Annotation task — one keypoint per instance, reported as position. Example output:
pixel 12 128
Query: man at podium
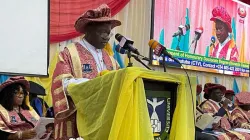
pixel 79 62
pixel 226 48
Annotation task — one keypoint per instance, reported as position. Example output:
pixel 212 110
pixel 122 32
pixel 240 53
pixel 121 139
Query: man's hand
pixel 226 102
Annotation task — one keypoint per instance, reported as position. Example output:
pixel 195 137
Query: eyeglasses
pixel 18 93
pixel 104 34
pixel 218 93
pixel 219 29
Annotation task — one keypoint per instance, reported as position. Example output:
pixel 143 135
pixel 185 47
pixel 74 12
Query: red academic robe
pixel 240 118
pixel 228 52
pixel 11 122
pixel 74 62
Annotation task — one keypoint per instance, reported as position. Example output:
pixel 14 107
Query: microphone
pixel 159 49
pixel 198 32
pixel 120 50
pixel 126 43
pixel 213 39
pixel 182 30
pixel 123 51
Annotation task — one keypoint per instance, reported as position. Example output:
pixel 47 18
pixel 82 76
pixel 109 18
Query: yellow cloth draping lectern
pixel 114 107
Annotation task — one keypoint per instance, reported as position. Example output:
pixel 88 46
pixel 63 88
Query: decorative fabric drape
pixel 3 78
pixel 63 14
pixel 113 106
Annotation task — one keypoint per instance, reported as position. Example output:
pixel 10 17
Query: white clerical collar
pixel 89 46
pixel 215 103
pixel 96 53
pixel 225 42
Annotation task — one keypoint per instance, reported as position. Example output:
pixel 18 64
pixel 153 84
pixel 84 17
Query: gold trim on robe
pixel 75 60
pixel 240 118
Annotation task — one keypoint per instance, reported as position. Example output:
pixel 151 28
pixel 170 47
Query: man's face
pixel 99 35
pixel 229 96
pixel 221 31
pixel 216 95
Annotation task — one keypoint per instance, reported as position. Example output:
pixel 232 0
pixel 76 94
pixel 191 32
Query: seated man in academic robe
pixel 240 117
pixel 198 132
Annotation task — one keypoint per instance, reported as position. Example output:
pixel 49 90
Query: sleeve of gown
pixel 234 54
pixel 4 129
pixel 63 70
pixel 207 109
pixel 68 81
pixel 239 121
pixel 221 112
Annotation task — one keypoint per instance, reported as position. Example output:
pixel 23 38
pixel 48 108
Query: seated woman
pixel 240 116
pixel 216 105
pixel 17 119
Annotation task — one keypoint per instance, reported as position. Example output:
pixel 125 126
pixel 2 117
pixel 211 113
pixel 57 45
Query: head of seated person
pixel 214 92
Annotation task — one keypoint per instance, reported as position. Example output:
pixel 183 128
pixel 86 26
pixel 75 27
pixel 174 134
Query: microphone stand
pixel 179 40
pixel 164 63
pixel 195 45
pixel 139 60
pixel 190 87
pixel 130 64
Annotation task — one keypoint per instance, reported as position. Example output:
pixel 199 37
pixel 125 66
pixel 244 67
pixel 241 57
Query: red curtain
pixel 63 14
